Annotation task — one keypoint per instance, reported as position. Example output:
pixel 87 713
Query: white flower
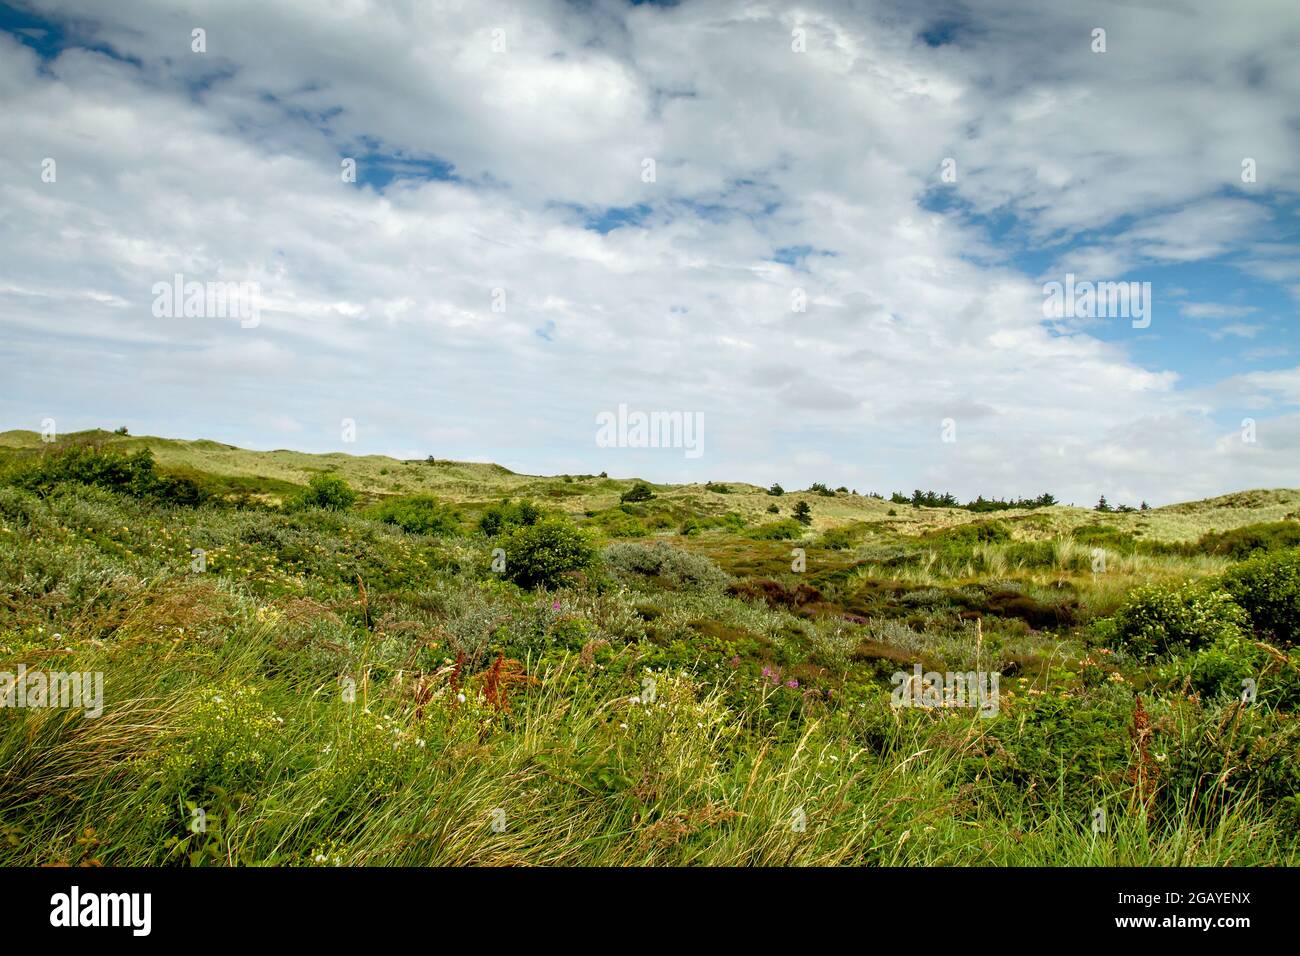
pixel 320 858
pixel 634 700
pixel 461 698
pixel 624 726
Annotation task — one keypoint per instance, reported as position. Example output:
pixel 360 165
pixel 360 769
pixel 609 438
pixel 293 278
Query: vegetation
pixel 348 673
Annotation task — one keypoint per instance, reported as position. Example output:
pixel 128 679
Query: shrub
pixel 837 539
pixel 134 475
pixel 680 569
pixel 638 492
pixel 977 532
pixel 619 524
pixel 783 530
pixel 1268 588
pixel 1223 668
pixel 1243 542
pixel 776 489
pixel 1103 535
pixel 325 491
pixel 538 554
pixel 1167 619
pixel 802 513
pixel 506 515
pixel 418 514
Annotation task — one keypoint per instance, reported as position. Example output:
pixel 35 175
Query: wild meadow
pixel 335 661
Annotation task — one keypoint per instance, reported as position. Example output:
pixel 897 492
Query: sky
pixel 823 230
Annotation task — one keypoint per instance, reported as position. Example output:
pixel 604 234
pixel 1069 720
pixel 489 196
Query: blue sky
pixel 502 269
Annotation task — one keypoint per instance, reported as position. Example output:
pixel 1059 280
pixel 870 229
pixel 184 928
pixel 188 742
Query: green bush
pixel 1222 668
pixel 837 539
pixel 325 491
pixel 538 554
pixel 418 514
pixel 134 475
pixel 638 492
pixel 619 524
pixel 1243 542
pixel 506 515
pixel 1167 619
pixel 977 532
pixel 1268 588
pixel 784 530
pixel 1104 535
pixel 680 569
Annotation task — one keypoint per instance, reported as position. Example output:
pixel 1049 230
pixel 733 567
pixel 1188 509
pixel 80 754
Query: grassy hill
pixel 418 674
pixel 275 475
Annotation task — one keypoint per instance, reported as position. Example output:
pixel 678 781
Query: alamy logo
pixel 207 300
pixel 103 909
pixel 1098 300
pixel 950 689
pixel 54 690
pixel 626 429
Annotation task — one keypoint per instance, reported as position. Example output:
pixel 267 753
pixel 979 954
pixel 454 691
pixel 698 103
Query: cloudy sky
pixel 503 268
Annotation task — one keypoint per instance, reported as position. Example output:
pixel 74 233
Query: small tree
pixel 803 513
pixel 776 489
pixel 538 554
pixel 1102 504
pixel 120 430
pixel 638 492
pixel 326 491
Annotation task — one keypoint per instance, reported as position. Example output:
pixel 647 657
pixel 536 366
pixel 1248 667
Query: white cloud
pixel 378 305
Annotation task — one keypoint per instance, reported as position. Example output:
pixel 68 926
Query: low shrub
pixel 325 491
pixel 1226 668
pixel 1241 543
pixel 502 517
pixel 539 554
pixel 638 492
pixel 418 514
pixel 1268 588
pixel 783 530
pixel 1164 619
pixel 135 475
pixel 678 568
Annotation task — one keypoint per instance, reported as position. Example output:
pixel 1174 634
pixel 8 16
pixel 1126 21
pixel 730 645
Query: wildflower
pixel 321 858
pixel 460 698
pixel 792 683
pixel 634 700
pixel 623 726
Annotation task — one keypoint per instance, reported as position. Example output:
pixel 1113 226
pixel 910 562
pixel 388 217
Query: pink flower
pixel 792 683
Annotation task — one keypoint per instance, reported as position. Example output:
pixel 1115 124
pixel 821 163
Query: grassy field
pixel 338 660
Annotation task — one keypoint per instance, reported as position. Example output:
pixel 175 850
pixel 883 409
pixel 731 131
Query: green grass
pixel 302 693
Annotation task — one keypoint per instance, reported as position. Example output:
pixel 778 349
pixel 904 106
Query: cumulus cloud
pixel 512 142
